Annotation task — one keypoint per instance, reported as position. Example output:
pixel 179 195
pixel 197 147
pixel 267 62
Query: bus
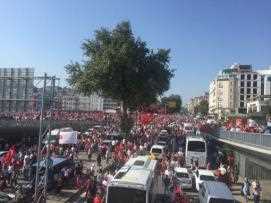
pixel 134 182
pixel 196 151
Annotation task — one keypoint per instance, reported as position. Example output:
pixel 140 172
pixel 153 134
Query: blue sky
pixel 203 35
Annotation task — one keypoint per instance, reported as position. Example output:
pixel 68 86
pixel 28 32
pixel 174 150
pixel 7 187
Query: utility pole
pixel 41 183
pixel 48 159
pixel 39 144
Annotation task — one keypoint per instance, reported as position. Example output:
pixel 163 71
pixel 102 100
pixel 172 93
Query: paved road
pixel 73 195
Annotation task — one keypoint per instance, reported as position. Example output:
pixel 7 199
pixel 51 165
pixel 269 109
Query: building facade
pixel 110 104
pixel 77 102
pixel 265 81
pixel 72 101
pixel 16 89
pixel 195 101
pixel 235 87
pixel 222 95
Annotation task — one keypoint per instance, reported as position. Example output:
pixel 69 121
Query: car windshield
pixel 218 200
pixel 196 146
pixel 207 178
pixel 182 175
pixel 124 195
pixel 163 139
pixel 156 150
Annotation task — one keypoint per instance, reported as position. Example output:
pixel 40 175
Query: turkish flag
pixel 7 159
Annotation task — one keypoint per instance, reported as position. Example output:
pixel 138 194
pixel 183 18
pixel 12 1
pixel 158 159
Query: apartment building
pixel 233 88
pixel 222 95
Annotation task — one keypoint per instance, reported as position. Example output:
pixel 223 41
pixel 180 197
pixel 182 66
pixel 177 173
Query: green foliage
pixel 120 66
pixel 202 108
pixel 173 103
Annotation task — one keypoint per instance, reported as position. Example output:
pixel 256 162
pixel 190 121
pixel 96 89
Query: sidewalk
pixel 266 191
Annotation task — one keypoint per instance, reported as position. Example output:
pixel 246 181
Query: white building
pixel 76 102
pixel 90 103
pixel 233 88
pixel 265 81
pixel 110 104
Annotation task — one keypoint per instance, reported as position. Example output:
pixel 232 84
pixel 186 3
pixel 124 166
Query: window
pixel 248 76
pixel 254 91
pixel 196 146
pixel 207 178
pixel 123 195
pixel 242 97
pixel 242 91
pixel 248 96
pixel 241 104
pixel 242 77
pixel 248 90
pixel 255 76
pixel 242 83
pixel 248 84
pixel 219 200
pixel 182 175
pixel 255 84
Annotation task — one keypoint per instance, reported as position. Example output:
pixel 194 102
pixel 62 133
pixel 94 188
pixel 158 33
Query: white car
pixel 157 151
pixel 203 175
pixel 183 178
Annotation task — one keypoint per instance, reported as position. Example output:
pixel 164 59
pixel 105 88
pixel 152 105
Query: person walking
pixel 245 190
pixel 256 191
pixel 99 159
pixel 97 198
pixel 59 184
pixel 166 181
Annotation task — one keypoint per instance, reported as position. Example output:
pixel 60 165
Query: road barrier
pixel 256 139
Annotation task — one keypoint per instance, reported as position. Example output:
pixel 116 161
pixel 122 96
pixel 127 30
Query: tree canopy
pixel 172 103
pixel 202 108
pixel 120 66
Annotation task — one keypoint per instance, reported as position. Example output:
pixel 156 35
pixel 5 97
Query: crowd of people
pixel 60 116
pixel 244 125
pixel 105 158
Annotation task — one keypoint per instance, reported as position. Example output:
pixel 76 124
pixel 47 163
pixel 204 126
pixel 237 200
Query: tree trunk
pixel 126 122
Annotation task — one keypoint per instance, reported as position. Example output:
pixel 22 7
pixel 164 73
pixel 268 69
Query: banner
pixel 68 137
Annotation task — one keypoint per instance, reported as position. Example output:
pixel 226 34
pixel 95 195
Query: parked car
pixel 215 192
pixel 183 178
pixel 203 175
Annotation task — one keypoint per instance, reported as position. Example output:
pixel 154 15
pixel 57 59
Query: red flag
pixel 9 155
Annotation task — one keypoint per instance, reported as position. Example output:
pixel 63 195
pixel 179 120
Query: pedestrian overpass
pixel 252 152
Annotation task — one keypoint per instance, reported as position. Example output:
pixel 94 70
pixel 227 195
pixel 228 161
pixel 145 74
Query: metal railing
pixel 254 139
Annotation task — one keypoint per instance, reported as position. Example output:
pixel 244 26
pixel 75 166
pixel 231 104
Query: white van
pixel 196 150
pixel 157 151
pixel 215 192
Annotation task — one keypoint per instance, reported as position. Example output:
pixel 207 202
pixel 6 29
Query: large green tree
pixel 172 103
pixel 119 65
